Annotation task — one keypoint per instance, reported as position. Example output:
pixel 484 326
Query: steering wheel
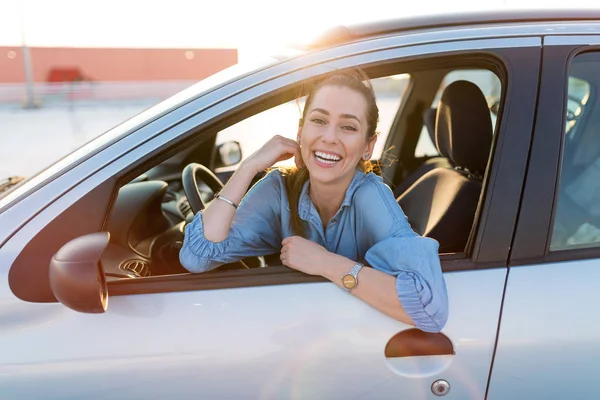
pixel 191 175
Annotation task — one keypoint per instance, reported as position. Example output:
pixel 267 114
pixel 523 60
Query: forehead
pixel 340 100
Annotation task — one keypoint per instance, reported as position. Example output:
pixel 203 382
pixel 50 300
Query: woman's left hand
pixel 304 255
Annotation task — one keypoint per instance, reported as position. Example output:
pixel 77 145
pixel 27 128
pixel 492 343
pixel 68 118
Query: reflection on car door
pixel 289 341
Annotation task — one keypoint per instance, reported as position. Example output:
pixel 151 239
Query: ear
pixel 299 134
pixel 371 146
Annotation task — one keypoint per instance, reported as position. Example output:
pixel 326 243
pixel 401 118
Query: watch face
pixel 349 281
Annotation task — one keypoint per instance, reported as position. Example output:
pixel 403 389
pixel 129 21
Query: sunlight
pixel 256 28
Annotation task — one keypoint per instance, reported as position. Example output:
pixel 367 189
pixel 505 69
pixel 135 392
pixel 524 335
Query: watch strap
pixel 354 273
pixel 356 269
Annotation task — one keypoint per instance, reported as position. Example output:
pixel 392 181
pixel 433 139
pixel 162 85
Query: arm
pixel 396 250
pixel 218 216
pixel 405 281
pixel 376 288
pixel 251 230
pixel 222 234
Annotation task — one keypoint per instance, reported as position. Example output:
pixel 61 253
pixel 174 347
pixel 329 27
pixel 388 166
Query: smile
pixel 327 158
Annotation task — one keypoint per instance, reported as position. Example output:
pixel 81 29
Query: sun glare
pixel 256 28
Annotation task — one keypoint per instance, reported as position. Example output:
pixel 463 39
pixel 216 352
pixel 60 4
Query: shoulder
pixel 376 210
pixel 373 196
pixel 372 188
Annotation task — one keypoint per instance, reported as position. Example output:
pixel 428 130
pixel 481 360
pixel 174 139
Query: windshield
pixel 210 83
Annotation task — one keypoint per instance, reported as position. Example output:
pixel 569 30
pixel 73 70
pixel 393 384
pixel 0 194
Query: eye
pixel 349 128
pixel 318 121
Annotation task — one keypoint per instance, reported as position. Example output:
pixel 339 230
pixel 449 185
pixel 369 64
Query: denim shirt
pixel 369 226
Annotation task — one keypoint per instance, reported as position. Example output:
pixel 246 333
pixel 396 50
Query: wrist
pixel 242 176
pixel 249 168
pixel 336 267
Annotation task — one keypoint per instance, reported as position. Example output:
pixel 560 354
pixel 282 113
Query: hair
pixel 294 177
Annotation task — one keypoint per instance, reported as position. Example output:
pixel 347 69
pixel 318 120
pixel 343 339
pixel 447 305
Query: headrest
pixel 464 127
pixel 429 121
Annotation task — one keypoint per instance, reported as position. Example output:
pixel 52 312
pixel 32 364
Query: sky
pixel 252 26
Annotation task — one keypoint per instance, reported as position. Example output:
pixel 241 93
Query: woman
pixel 327 214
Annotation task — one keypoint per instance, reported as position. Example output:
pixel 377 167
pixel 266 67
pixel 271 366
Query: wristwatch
pixel 350 280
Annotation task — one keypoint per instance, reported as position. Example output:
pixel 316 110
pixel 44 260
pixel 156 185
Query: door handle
pixel 415 343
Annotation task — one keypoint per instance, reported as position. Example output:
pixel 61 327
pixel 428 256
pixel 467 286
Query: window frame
pixel 283 275
pixel 124 163
pixel 540 197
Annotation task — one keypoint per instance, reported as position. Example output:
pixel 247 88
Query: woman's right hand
pixel 278 148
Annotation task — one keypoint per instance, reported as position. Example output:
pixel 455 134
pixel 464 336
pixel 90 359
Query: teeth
pixel 325 156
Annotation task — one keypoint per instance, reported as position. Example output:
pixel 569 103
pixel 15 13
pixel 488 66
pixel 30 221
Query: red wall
pixel 102 64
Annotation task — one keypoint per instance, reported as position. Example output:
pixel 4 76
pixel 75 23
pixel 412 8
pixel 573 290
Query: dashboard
pixel 146 230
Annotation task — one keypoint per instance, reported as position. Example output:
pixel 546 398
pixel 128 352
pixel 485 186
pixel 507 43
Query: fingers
pixel 294 150
pixel 287 240
pixel 283 257
pixel 285 141
pixel 285 148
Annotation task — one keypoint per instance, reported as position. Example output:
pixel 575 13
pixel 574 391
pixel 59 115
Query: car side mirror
pixel 228 153
pixel 76 276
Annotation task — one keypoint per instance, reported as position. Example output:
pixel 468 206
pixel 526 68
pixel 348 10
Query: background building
pixel 68 73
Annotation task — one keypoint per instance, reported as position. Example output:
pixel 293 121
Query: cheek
pixel 355 148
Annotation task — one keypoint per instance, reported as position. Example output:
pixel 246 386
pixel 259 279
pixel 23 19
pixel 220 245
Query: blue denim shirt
pixel 369 225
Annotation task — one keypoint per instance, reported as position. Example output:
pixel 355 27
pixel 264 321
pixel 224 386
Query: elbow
pixel 195 264
pixel 427 309
pixel 427 323
pixel 432 317
pixel 436 324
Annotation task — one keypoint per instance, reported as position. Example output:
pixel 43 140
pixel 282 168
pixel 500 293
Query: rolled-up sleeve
pixel 255 230
pixel 414 262
pixel 397 250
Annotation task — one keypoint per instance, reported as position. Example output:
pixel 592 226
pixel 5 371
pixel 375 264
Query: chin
pixel 328 175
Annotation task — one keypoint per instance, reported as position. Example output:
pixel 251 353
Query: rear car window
pixel 577 214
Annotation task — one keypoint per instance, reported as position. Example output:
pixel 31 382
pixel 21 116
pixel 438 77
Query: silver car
pixel 94 303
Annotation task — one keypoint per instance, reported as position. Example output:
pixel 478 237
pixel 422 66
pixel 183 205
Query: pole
pixel 28 78
pixel 30 103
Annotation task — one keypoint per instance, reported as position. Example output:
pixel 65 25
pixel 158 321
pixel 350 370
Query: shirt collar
pixel 306 208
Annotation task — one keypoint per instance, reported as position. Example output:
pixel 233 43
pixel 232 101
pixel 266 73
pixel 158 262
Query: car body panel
pixel 549 341
pixel 297 340
pixel 290 341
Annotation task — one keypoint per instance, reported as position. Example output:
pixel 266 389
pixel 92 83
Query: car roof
pixel 343 34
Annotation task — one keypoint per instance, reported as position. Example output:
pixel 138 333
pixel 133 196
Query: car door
pixel 270 332
pixel 549 340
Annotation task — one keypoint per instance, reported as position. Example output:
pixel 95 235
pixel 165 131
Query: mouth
pixel 327 158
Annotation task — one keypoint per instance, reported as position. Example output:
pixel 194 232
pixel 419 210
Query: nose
pixel 330 134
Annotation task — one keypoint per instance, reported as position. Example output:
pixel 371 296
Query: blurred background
pixel 70 70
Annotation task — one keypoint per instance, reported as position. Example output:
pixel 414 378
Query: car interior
pixel 577 216
pixel 439 192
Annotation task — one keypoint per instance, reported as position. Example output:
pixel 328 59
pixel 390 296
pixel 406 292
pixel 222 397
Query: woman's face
pixel 333 137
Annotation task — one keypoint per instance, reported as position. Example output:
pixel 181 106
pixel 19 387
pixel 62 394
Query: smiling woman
pixel 329 216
